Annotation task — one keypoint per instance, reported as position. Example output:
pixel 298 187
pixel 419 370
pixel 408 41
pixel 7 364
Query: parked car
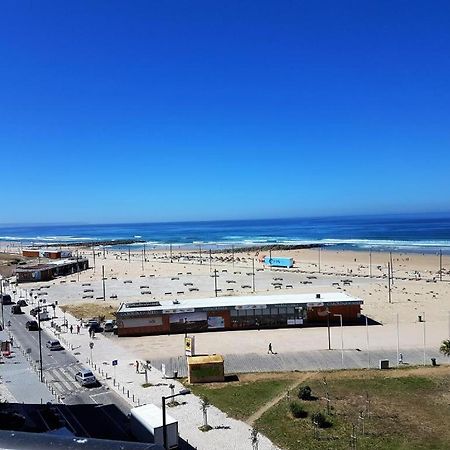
pixel 34 311
pixel 85 377
pixel 54 345
pixel 32 325
pixel 95 326
pixel 6 300
pixel 21 302
pixel 110 325
pixel 16 309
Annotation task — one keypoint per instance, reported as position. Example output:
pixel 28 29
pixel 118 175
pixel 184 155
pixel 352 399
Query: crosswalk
pixel 62 379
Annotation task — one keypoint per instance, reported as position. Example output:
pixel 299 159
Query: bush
pixel 305 393
pixel 297 410
pixel 320 420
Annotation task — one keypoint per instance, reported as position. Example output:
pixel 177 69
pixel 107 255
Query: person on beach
pixel 137 366
pixel 78 329
pixel 71 329
pixel 270 349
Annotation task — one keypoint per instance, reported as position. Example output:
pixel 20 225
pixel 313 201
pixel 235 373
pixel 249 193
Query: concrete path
pixel 21 381
pixel 309 361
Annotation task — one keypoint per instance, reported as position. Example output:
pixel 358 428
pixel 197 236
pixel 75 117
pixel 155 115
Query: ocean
pixel 419 233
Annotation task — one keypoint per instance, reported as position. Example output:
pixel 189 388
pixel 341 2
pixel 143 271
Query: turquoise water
pixel 423 233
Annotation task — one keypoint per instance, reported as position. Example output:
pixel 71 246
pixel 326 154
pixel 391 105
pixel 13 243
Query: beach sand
pixel 416 291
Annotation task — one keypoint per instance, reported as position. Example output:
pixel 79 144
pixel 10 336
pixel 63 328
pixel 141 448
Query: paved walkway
pixel 227 433
pixel 20 380
pixel 308 361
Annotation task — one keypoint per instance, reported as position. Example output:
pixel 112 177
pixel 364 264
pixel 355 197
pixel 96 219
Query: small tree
pixel 305 393
pixel 297 410
pixel 319 420
pixel 445 347
pixel 205 404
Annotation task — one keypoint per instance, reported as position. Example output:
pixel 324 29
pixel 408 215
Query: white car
pixel 54 345
pixel 85 377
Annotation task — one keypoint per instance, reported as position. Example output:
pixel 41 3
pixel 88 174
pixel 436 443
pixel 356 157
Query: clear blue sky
pixel 185 110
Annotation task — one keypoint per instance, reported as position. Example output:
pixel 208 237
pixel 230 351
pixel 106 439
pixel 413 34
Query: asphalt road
pixel 59 368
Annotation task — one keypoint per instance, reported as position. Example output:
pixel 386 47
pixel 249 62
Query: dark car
pixel 16 309
pixel 6 300
pixel 32 325
pixel 34 311
pixel 21 302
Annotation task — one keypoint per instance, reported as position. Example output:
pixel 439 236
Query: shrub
pixel 305 393
pixel 297 410
pixel 320 420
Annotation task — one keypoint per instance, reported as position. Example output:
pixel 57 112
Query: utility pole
pixel 215 282
pixel 392 268
pixel 424 341
pixel 210 260
pixel 93 255
pixel 328 326
pixel 319 258
pixel 40 344
pixel 253 275
pixel 103 282
pixel 368 344
pixel 1 298
pixel 389 281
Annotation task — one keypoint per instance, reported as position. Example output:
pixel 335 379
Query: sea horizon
pixel 418 232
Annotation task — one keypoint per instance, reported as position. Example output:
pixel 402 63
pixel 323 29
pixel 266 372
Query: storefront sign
pixel 250 306
pixel 314 304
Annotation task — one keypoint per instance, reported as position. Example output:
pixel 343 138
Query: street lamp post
pixel 328 326
pixel 182 392
pixel 40 342
pixel 342 338
pixel 424 341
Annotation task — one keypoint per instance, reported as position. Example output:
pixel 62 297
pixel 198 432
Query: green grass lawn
pixel 404 413
pixel 405 409
pixel 242 400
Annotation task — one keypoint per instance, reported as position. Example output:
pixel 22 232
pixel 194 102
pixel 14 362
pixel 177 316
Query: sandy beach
pixel 417 290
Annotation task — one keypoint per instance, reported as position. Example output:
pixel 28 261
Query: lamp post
pixel 1 298
pixel 424 341
pixel 328 326
pixel 182 392
pixel 40 342
pixel 342 338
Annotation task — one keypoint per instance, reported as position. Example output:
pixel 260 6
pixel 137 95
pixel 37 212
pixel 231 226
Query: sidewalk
pixel 19 382
pixel 226 434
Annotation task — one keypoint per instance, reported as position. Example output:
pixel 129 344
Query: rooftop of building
pixel 49 265
pixel 240 302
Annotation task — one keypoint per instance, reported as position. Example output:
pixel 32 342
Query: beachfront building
pixel 48 271
pixel 46 253
pixel 235 313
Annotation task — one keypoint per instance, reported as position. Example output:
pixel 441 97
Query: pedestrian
pixel 11 339
pixel 78 329
pixel 71 329
pixel 137 366
pixel 270 349
pixel 400 358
